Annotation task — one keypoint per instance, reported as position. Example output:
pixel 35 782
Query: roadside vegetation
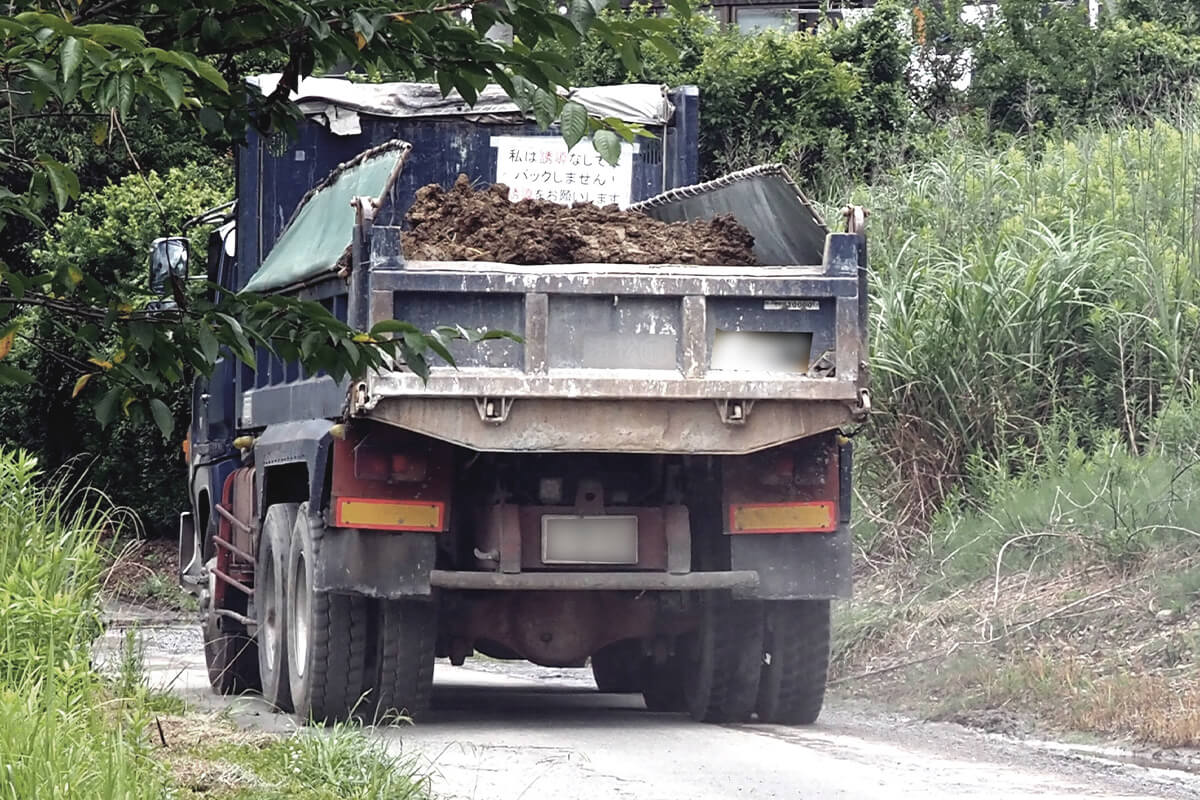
pixel 1027 487
pixel 69 732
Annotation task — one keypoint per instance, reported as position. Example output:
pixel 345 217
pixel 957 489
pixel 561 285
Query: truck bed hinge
pixel 493 409
pixel 734 412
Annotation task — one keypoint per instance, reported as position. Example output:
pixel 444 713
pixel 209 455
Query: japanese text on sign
pixel 541 167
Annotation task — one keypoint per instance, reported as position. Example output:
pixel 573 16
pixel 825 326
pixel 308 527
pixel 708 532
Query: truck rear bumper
pixel 594 581
pixel 693 427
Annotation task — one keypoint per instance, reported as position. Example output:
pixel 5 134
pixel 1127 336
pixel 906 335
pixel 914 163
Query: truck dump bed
pixel 637 358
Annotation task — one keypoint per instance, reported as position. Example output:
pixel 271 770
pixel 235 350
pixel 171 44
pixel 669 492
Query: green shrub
pixel 110 229
pixel 1109 506
pixel 1044 66
pixel 62 734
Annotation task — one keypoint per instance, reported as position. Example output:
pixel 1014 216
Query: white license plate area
pixel 568 539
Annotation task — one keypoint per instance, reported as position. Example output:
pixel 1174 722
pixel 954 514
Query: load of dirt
pixel 466 224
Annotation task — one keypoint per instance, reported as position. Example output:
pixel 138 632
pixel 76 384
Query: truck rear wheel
pixel 721 680
pixel 270 602
pixel 662 685
pixel 230 653
pixel 327 634
pixel 795 661
pixel 618 668
pixel 402 673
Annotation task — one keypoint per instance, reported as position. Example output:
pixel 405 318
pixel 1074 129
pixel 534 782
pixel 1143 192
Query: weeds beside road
pixel 70 733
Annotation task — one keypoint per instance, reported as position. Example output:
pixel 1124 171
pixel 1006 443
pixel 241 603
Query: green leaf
pixel 435 344
pixel 63 182
pixel 11 375
pixel 209 346
pixel 142 333
pixel 392 326
pixel 682 8
pixel 608 145
pixel 72 56
pixel 43 74
pixel 163 417
pixel 106 406
pixel 665 47
pixel 125 93
pixel 574 118
pixel 126 37
pixel 581 13
pixel 172 83
pixel 545 107
pixel 629 56
pixel 209 73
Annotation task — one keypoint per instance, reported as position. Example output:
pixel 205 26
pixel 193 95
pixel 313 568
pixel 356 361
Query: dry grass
pixel 190 763
pixel 1089 649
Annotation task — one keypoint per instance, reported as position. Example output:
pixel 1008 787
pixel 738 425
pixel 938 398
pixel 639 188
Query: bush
pixel 833 100
pixel 111 230
pixel 1043 66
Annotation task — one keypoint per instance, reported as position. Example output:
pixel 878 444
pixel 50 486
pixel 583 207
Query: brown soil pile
pixel 464 224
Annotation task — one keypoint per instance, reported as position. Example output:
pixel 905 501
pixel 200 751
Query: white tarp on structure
pixel 639 103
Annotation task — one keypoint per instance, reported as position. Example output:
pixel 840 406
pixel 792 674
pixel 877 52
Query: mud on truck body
pixel 653 478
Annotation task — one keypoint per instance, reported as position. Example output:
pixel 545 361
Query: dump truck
pixel 651 476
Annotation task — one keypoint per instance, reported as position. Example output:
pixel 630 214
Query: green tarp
pixel 321 230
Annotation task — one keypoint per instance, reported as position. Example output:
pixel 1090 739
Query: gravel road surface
pixel 503 731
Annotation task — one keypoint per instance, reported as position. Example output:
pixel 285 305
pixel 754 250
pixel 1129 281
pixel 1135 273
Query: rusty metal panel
pixel 244 508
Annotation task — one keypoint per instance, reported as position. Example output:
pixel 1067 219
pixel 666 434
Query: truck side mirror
pixel 168 260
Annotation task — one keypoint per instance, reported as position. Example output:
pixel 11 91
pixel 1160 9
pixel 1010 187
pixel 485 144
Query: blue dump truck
pixel 652 478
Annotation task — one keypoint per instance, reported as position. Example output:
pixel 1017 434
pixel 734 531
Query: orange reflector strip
pixel 389 515
pixel 782 518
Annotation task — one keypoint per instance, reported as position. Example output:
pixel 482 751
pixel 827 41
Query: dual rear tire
pixel 350 656
pixel 326 656
pixel 748 659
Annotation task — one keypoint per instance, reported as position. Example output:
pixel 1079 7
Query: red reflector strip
pixel 389 515
pixel 782 517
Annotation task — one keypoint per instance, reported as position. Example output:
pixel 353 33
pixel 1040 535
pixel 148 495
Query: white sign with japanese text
pixel 541 167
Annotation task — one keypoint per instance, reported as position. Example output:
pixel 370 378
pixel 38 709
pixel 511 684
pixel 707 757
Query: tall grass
pixel 62 734
pixel 51 566
pixel 1022 297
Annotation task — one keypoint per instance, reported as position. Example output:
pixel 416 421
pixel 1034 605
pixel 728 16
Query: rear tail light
pixel 371 464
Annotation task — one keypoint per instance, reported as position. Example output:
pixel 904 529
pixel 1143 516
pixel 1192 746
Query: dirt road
pixel 503 732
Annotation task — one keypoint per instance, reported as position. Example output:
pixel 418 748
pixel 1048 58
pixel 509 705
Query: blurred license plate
pixel 589 540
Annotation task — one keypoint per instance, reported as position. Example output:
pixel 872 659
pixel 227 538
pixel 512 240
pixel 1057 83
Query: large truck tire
pixel 721 680
pixel 327 635
pixel 270 603
pixel 402 673
pixel 662 684
pixel 230 654
pixel 795 661
pixel 619 667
